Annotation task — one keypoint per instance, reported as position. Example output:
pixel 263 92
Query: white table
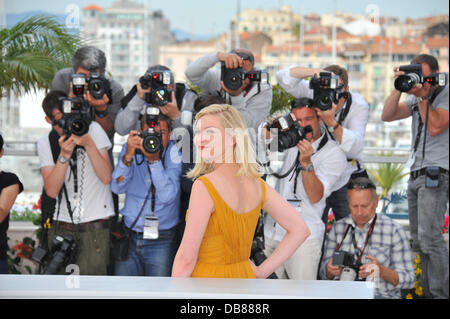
pixel 104 287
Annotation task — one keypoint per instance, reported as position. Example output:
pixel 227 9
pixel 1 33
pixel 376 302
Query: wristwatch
pixel 62 159
pixel 333 128
pixel 101 114
pixel 309 168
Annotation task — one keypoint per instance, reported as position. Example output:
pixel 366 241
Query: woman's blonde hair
pixel 243 152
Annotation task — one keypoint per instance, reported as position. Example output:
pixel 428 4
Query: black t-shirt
pixel 6 180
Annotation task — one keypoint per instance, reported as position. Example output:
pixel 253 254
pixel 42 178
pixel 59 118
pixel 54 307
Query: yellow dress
pixel 225 248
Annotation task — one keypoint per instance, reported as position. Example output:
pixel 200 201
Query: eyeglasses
pixel 360 185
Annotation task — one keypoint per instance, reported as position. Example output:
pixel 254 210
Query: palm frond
pixel 33 50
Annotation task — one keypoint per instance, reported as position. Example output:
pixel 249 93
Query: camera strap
pixel 422 124
pixel 55 149
pixel 359 252
pixel 152 190
pixel 346 110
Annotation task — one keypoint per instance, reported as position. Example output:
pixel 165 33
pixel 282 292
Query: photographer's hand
pixel 134 142
pixel 99 105
pixel 232 61
pixel 141 92
pixel 306 151
pixel 332 270
pixel 67 145
pixel 86 141
pixel 329 116
pixel 171 108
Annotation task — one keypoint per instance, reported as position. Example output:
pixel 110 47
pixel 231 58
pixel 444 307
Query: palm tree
pixel 32 51
pixel 387 175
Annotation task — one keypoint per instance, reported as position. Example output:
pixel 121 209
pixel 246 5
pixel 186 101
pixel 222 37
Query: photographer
pixel 88 60
pixel 178 98
pixel 150 178
pixel 345 122
pixel 368 246
pixel 77 172
pixel 427 103
pixel 253 99
pixel 318 163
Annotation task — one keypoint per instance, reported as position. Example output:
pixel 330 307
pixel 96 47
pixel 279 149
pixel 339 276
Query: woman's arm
pixel 7 199
pixel 201 206
pixel 296 232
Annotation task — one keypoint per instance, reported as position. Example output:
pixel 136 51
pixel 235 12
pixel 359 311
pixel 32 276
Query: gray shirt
pixel 436 147
pixel 128 118
pixel 254 106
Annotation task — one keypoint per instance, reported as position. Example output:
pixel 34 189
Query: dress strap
pixel 211 189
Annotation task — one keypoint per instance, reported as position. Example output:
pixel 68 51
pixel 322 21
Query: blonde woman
pixel 225 204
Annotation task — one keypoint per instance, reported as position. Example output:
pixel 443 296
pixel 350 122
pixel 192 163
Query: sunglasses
pixel 361 185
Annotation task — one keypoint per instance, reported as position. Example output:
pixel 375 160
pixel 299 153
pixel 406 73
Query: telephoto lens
pixel 404 83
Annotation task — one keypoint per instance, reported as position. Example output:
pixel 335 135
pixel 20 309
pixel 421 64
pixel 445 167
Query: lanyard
pixel 359 252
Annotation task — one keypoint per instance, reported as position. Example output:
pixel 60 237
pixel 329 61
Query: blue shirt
pixel 137 181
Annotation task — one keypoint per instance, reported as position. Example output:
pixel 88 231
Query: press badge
pixel 151 227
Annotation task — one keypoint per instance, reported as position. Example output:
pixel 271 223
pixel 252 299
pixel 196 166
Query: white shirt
pixel 94 199
pixel 354 125
pixel 329 163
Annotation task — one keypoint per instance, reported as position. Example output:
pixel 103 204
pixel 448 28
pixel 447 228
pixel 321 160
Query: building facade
pixel 130 35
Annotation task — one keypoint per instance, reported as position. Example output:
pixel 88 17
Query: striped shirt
pixel 388 244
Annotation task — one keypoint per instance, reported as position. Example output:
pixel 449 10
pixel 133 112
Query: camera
pixel 291 133
pixel 234 78
pixel 97 84
pixel 327 90
pixel 350 265
pixel 158 81
pixel 78 84
pixel 152 140
pixel 63 251
pixel 413 75
pixel 77 116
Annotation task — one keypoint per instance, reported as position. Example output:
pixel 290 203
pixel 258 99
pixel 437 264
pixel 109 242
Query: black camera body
pixel 349 263
pixel 77 116
pixel 63 251
pixel 97 85
pixel 158 81
pixel 413 76
pixel 152 140
pixel 327 90
pixel 290 132
pixel 234 78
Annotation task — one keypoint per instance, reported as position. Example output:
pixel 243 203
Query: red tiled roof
pixel 93 7
pixel 316 48
pixel 437 42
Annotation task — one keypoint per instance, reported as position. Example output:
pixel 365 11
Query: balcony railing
pixel 21 157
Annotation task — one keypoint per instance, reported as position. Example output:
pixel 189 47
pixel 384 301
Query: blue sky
pixel 213 16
